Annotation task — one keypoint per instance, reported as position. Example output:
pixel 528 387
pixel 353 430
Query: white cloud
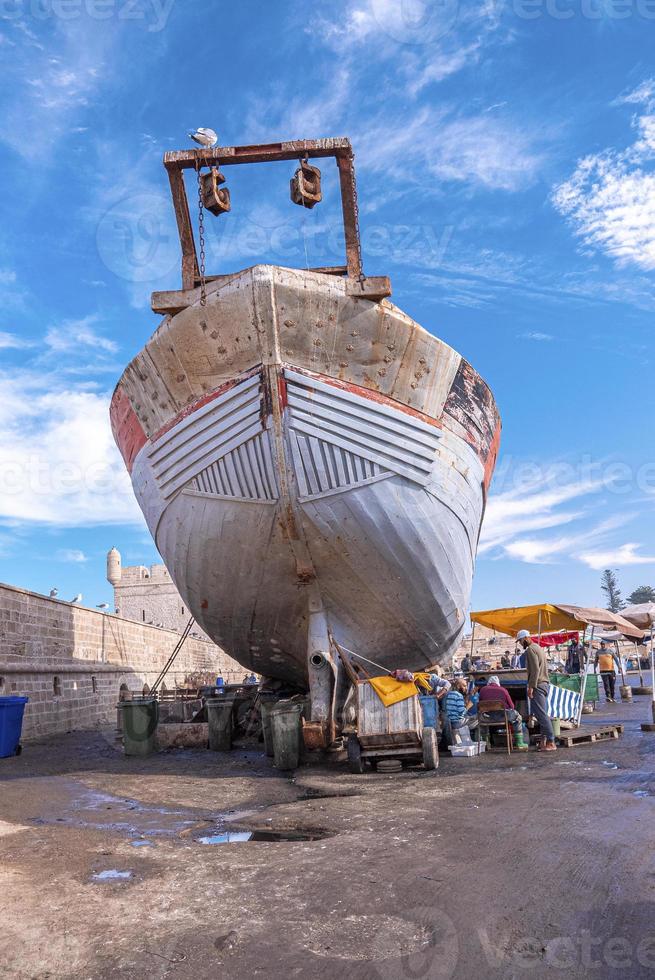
pixel 58 461
pixel 539 337
pixel 11 341
pixel 625 554
pixel 483 150
pixel 610 198
pixel 72 335
pixel 530 506
pixel 72 555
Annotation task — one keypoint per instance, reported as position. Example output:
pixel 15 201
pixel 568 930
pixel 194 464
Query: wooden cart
pixel 395 732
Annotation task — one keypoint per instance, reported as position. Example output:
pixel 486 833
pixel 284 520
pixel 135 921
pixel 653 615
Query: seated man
pixel 455 710
pixel 492 691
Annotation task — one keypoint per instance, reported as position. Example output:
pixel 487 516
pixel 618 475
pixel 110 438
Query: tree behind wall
pixel 609 584
pixel 645 593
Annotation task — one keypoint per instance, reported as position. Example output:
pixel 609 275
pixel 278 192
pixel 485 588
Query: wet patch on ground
pixel 112 874
pixel 241 835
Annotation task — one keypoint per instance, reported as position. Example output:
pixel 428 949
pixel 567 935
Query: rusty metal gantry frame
pixel 179 160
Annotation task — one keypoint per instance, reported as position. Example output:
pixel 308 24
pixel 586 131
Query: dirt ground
pixel 491 867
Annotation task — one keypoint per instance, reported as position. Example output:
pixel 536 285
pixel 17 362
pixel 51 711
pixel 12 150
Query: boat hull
pixel 295 451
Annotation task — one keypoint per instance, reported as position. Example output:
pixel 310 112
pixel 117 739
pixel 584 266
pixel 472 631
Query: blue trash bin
pixel 11 725
pixel 430 708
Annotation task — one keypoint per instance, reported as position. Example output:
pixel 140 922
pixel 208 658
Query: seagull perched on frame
pixel 204 137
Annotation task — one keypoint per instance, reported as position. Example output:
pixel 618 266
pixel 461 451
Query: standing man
pixel 466 664
pixel 605 660
pixel 506 660
pixel 538 684
pixel 573 659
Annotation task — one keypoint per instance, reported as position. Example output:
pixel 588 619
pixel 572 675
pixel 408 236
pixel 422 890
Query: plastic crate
pixel 467 751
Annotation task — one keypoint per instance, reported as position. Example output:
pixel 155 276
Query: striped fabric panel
pixel 562 703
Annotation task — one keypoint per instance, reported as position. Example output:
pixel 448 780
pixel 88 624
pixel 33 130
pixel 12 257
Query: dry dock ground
pixel 493 867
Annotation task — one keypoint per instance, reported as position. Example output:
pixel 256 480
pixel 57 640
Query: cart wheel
pixel 430 749
pixel 355 761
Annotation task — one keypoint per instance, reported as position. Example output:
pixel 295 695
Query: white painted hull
pixel 289 444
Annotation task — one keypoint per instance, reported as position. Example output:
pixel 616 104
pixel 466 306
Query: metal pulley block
pixel 214 197
pixel 306 186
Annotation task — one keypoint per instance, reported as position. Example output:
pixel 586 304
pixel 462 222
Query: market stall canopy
pixel 641 615
pixel 549 618
pixel 604 619
pixel 533 618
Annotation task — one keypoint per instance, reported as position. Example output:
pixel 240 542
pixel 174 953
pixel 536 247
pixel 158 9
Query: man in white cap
pixel 538 684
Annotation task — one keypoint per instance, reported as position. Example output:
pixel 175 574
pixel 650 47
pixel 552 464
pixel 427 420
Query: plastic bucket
pixel 287 733
pixel 11 725
pixel 219 716
pixel 139 720
pixel 430 708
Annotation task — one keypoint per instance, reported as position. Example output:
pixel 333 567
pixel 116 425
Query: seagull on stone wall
pixel 78 598
pixel 204 137
pixel 103 605
pixel 54 593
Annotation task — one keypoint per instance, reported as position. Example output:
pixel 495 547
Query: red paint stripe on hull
pixel 128 431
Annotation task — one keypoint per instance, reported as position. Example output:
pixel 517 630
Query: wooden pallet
pixel 587 735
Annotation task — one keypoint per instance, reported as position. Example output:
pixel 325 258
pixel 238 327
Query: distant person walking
pixel 575 658
pixel 538 685
pixel 605 661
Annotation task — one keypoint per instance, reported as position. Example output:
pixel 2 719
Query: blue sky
pixel 505 155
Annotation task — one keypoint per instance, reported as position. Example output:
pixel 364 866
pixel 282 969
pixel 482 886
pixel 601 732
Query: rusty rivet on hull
pixel 350 347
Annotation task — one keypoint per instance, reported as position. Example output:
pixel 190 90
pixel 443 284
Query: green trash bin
pixel 219 716
pixel 266 705
pixel 139 720
pixel 287 733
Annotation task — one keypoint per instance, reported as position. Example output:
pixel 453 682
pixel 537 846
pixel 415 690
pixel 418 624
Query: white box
pixel 467 751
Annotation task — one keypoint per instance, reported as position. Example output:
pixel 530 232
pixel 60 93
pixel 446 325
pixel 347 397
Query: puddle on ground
pixel 640 783
pixel 264 836
pixel 94 810
pixel 112 875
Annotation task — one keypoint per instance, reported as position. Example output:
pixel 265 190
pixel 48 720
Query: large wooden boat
pixel 310 461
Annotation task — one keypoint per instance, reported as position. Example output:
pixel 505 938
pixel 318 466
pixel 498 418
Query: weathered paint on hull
pixel 288 438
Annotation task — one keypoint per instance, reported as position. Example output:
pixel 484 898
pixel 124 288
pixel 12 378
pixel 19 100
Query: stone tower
pixel 114 570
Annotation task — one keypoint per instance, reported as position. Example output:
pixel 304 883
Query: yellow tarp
pixel 516 618
pixel 390 691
